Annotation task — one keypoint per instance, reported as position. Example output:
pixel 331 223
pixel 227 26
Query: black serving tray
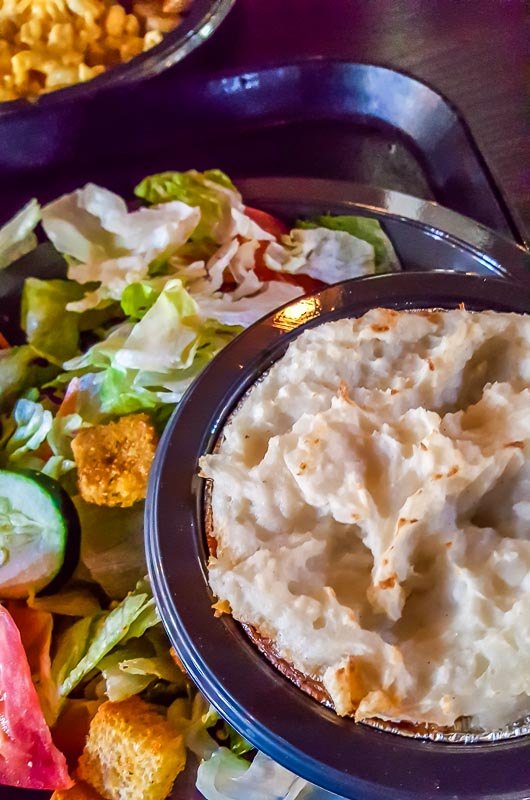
pixel 317 118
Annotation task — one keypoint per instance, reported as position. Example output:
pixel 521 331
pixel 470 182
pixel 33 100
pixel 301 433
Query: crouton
pixel 79 791
pixel 113 460
pixel 132 752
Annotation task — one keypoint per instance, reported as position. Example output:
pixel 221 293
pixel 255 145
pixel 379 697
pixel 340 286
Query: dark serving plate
pixel 351 759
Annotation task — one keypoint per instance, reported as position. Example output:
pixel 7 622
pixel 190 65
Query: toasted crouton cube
pixel 79 791
pixel 113 460
pixel 132 752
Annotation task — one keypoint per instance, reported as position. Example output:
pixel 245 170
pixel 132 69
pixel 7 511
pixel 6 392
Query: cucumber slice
pixel 39 534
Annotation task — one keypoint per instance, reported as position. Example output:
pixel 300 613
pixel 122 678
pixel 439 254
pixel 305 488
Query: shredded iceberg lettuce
pixel 166 338
pixel 112 546
pixel 53 331
pixel 71 602
pixel 247 310
pixel 17 236
pixel 134 666
pixel 34 439
pixel 221 206
pixel 224 776
pixel 365 228
pixel 110 246
pixel 32 424
pixel 211 191
pixel 217 778
pixel 152 361
pixel 88 641
pixel 21 368
pixel 329 256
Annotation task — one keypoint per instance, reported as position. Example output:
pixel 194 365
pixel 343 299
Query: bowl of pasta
pixel 77 48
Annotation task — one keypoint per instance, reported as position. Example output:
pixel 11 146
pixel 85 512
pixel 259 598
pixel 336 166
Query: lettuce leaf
pixel 161 667
pixel 92 225
pixel 327 255
pixel 369 230
pixel 187 717
pixel 53 331
pixel 152 362
pixel 137 298
pixel 30 426
pixel 110 246
pixel 17 236
pixel 71 647
pixel 131 668
pixel 122 393
pixel 247 310
pixel 147 619
pixel 70 602
pixel 21 368
pixel 218 777
pixel 166 337
pixel 95 640
pixel 226 777
pixel 119 684
pixel 63 429
pixel 112 548
pixel 211 191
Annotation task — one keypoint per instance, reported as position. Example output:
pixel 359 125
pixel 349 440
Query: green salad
pixel 150 295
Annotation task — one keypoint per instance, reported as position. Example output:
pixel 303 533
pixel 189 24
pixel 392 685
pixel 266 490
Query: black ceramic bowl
pixel 202 19
pixel 354 760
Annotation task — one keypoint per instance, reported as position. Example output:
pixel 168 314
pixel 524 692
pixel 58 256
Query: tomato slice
pixel 267 221
pixel 277 228
pixel 309 285
pixel 28 757
pixel 35 629
pixel 4 344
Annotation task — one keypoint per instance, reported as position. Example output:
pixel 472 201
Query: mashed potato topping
pixel 371 505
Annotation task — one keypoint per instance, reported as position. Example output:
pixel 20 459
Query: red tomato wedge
pixel 277 228
pixel 35 629
pixel 4 344
pixel 267 221
pixel 28 757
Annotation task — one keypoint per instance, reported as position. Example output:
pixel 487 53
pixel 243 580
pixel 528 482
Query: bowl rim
pixel 198 24
pixel 350 759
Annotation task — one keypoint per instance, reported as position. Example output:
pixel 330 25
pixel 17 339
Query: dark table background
pixel 475 52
